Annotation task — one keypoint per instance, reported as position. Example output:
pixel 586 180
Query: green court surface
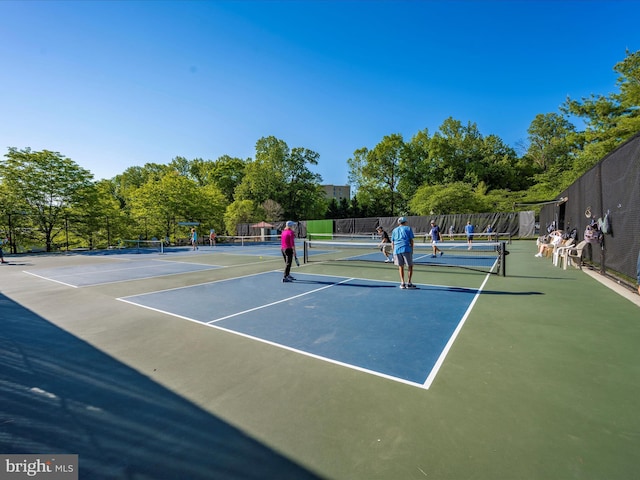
pixel 542 381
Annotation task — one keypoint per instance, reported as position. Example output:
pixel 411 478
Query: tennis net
pixel 142 246
pixel 482 256
pixel 248 240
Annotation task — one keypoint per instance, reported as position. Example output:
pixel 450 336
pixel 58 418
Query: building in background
pixel 337 191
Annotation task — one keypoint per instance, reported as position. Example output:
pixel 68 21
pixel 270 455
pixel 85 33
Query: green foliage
pixel 158 205
pixel 612 119
pixel 46 186
pixel 457 197
pixel 241 211
pixel 377 174
pixel 414 164
pixel 283 175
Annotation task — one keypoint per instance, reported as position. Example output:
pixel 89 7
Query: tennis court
pixel 202 364
pixel 347 321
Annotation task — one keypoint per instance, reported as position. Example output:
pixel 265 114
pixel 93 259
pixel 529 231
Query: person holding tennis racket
pixel 435 238
pixel 288 249
pixel 385 244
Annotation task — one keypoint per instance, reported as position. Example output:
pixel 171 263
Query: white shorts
pixel 386 248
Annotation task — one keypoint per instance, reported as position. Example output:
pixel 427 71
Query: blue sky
pixel 114 84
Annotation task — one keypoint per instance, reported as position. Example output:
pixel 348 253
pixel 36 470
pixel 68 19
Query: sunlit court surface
pixel 204 361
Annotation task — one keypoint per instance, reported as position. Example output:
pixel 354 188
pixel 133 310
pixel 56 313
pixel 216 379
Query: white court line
pixel 50 279
pixel 212 267
pixel 279 301
pixel 445 351
pixel 313 355
pixel 134 266
pixel 199 284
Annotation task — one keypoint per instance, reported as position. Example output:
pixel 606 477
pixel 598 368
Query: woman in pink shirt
pixel 288 248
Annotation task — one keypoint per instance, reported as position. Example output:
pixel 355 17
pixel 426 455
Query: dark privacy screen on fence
pixel 610 189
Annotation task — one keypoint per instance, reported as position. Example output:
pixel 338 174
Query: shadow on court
pixel 465 290
pixel 61 395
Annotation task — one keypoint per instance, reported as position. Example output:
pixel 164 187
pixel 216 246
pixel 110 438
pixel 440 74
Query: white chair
pixel 560 250
pixel 574 255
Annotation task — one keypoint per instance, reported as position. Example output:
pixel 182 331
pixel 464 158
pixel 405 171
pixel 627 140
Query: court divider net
pixel 248 240
pixel 143 245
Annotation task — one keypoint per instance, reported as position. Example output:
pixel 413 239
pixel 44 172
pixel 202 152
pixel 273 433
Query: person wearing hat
pixel 288 249
pixel 385 244
pixel 468 229
pixel 435 238
pixel 402 244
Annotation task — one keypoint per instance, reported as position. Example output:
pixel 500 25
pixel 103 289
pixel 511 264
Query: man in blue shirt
pixel 402 242
pixel 468 229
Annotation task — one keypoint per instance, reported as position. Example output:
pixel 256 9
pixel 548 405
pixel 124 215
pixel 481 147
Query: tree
pixel 157 205
pixel 454 153
pixel 612 119
pixel 241 211
pixel 413 165
pixel 457 197
pixel 272 211
pixel 226 173
pixel 100 221
pixel 283 175
pixel 376 172
pixel 499 167
pixel 46 186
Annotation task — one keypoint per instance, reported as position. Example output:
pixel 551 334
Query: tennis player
pixel 435 238
pixel 468 229
pixel 194 239
pixel 385 244
pixel 402 242
pixel 288 249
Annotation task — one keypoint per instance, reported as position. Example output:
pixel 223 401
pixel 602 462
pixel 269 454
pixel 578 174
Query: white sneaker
pixel 538 255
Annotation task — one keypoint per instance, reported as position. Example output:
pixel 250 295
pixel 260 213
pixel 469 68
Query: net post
pixel 305 251
pixel 503 259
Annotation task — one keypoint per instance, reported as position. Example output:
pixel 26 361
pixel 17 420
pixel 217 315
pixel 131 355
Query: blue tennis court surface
pixel 109 272
pixel 364 324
